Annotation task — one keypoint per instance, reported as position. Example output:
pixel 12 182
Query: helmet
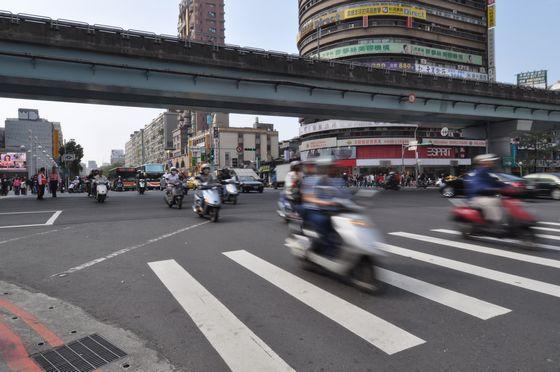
pixel 295 165
pixel 173 169
pixel 479 159
pixel 204 166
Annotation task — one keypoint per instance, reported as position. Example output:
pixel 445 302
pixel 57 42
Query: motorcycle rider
pixel 98 177
pixel 318 192
pixel 292 185
pixel 482 188
pixel 171 179
pixel 205 177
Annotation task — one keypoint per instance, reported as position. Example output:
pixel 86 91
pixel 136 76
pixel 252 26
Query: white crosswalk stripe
pixel 482 249
pixel 378 332
pixel 514 280
pixel 492 239
pixel 239 347
pixel 546 229
pixel 467 304
pixel 550 223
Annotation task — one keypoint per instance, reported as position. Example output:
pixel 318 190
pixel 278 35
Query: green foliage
pixel 538 146
pixel 73 168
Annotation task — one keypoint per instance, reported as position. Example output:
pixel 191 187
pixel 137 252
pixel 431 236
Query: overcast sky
pixel 527 39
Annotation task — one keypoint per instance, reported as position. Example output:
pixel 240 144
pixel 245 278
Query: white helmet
pixel 486 158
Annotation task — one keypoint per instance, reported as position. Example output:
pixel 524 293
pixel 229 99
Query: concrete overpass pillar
pixel 499 134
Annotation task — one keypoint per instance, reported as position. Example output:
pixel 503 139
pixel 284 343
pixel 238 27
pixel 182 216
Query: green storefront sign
pixel 374 47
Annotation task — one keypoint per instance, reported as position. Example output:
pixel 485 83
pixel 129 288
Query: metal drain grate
pixel 83 355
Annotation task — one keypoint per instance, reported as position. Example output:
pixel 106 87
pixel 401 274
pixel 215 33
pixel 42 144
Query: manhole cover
pixel 83 355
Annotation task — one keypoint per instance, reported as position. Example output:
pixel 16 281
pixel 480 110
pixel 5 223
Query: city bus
pixel 128 176
pixel 154 173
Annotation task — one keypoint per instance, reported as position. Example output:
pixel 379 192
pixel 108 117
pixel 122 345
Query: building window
pixel 212 14
pixel 212 30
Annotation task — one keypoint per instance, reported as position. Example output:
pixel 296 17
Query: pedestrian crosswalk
pixel 234 341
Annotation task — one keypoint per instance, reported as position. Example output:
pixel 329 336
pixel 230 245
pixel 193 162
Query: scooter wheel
pixel 180 205
pixel 234 200
pixel 363 277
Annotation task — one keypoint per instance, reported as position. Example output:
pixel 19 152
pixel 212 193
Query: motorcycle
pixel 357 250
pixel 518 223
pixel 174 195
pixel 392 184
pixel 74 187
pixel 207 202
pixel 229 191
pixel 119 186
pixel 101 190
pixel 141 186
pixel 285 209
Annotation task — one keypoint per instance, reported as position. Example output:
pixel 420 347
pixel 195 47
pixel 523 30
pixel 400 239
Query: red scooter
pixel 518 223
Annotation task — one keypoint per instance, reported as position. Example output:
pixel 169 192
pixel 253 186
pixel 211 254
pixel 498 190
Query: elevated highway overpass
pixel 60 60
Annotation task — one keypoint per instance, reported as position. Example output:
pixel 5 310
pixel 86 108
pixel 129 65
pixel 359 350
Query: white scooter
pixel 101 190
pixel 357 251
pixel 230 191
pixel 174 195
pixel 207 202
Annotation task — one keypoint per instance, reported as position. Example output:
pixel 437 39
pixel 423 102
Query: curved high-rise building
pixel 440 37
pixel 451 38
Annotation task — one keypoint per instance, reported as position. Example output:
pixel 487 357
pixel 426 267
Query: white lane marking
pixel 550 223
pixel 49 222
pixel 125 250
pixel 498 276
pixel 32 235
pixel 238 346
pixel 458 301
pixel 35 212
pixel 546 229
pixel 378 332
pixel 490 238
pixel 53 218
pixel 482 249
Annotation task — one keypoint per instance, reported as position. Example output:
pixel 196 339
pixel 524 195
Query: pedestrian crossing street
pixel 232 339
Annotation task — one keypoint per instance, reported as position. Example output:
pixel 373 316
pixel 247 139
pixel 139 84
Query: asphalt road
pixel 156 282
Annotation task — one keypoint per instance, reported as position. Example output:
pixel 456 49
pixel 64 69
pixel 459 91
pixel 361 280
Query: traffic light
pixel 216 132
pixel 211 156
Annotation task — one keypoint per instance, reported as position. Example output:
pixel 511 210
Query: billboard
pixel 341 153
pixel 535 79
pixel 450 72
pixel 13 161
pixel 351 12
pixel 374 46
pixel 400 66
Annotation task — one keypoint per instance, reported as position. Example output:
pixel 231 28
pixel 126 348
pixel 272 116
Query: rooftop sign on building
pixel 535 79
pixel 28 114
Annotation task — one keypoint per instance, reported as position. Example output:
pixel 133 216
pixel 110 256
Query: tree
pixel 72 168
pixel 538 146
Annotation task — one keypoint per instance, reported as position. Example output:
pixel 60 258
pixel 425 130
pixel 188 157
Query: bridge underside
pixel 50 73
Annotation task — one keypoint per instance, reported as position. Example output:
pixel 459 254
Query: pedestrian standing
pixel 17 185
pixel 41 184
pixel 54 179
